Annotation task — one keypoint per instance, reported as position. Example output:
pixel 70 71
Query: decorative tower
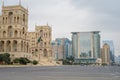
pixel 14 27
pixel 44 44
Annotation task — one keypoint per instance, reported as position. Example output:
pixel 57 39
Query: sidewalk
pixel 2 66
pixel 29 65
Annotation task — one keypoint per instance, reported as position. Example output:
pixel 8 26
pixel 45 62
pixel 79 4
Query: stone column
pixel 11 45
pixel 13 34
pixel 0 47
pixel 5 46
pixel 24 47
pixel 19 46
pixel 18 35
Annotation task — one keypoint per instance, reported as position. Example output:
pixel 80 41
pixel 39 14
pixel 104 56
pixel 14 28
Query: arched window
pixel 20 34
pixel 10 15
pixel 46 35
pixel 24 47
pixel 36 50
pixel 14 19
pixel 17 19
pixel 10 31
pixel 2 46
pixel 6 19
pixel 25 36
pixel 15 33
pixel 14 45
pixel 23 30
pixel 41 33
pixel 27 47
pixel 8 46
pixel 45 44
pixel 24 18
pixel 3 20
pixel 21 45
pixel 45 53
pixel 4 34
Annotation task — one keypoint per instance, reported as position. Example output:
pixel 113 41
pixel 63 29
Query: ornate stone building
pixel 41 50
pixel 15 38
pixel 13 31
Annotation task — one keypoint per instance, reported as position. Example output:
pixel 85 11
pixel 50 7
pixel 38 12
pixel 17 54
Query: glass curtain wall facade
pixel 96 43
pixel 86 45
pixel 75 44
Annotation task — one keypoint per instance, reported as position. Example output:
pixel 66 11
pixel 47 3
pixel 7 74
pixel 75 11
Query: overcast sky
pixel 66 16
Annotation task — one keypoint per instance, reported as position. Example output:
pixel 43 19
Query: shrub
pixel 21 60
pixel 24 61
pixel 16 60
pixel 35 62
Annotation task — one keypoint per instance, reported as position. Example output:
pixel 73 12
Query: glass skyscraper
pixel 86 45
pixel 62 48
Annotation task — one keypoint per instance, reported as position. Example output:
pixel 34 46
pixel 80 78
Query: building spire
pixel 2 3
pixel 47 23
pixel 19 2
pixel 27 8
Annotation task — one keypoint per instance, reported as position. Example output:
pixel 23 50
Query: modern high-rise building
pixel 86 46
pixel 117 60
pixel 111 45
pixel 62 48
pixel 105 54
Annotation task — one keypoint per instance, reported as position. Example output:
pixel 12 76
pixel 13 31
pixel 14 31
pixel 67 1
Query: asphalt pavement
pixel 60 73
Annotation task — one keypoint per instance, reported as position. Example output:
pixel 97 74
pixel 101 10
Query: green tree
pixel 1 59
pixel 5 58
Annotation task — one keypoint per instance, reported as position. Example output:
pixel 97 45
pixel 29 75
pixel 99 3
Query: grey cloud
pixel 106 13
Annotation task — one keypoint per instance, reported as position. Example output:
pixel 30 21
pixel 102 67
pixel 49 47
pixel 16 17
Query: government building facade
pixel 17 41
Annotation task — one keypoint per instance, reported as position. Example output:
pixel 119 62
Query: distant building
pixel 86 47
pixel 117 59
pixel 61 48
pixel 105 54
pixel 111 45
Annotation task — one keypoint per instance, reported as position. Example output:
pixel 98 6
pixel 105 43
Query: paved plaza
pixel 61 73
